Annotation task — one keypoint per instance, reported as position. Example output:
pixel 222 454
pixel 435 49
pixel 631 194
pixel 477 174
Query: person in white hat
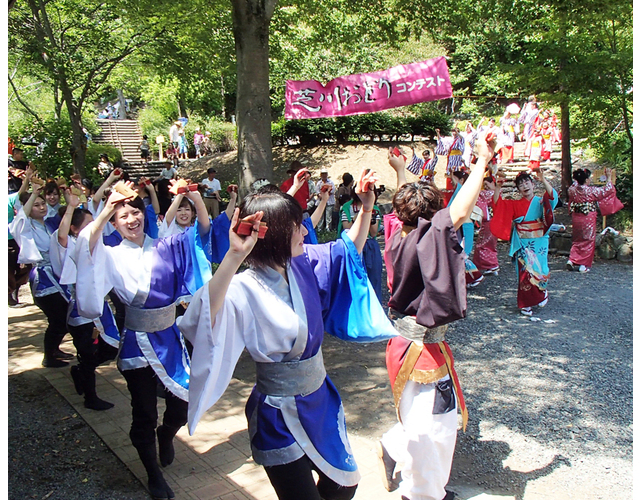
pixel 326 184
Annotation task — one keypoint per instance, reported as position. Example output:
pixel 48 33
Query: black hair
pixel 581 175
pixel 282 214
pixel 135 203
pixel 78 217
pixel 347 178
pixel 211 170
pixel 522 177
pixel 50 187
pixel 461 175
pixel 88 184
pixel 144 137
pixel 417 200
pixel 186 202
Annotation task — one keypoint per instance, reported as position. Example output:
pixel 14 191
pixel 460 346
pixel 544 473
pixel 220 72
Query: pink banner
pixel 369 92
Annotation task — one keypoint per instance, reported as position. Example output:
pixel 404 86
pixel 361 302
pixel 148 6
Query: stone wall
pixel 608 246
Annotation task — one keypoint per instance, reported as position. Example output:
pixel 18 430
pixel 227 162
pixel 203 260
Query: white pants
pixel 424 443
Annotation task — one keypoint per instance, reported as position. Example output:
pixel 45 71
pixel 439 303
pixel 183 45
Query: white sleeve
pixel 57 254
pixel 20 229
pixel 93 272
pixel 69 270
pixel 216 349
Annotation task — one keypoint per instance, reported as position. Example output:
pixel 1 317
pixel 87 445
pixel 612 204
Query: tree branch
pixel 26 106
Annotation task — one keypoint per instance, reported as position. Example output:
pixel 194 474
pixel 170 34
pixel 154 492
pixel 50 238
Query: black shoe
pixel 166 452
pixel 159 489
pixel 97 404
pixel 450 495
pixel 387 465
pixel 77 379
pixel 51 362
pixel 58 354
pixel 13 300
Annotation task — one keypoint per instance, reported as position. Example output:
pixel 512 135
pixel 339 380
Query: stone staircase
pixel 123 134
pixel 126 136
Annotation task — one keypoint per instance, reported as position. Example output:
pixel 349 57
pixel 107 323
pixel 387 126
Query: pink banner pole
pixel 369 92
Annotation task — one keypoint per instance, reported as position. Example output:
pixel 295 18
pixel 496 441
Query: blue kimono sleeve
pixel 350 308
pixel 219 240
pixel 150 222
pixel 113 239
pixel 311 238
pixel 184 260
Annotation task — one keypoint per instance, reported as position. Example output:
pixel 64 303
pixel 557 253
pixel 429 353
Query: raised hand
pixel 397 162
pixel 364 189
pixel 73 200
pixel 241 246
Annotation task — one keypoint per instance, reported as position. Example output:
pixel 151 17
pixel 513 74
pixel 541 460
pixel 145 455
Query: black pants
pixel 90 353
pixel 294 481
pixel 18 275
pixel 142 384
pixel 54 307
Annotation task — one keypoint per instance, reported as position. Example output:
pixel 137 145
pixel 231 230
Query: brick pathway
pixel 215 463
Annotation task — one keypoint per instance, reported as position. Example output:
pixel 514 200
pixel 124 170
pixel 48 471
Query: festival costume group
pixel 278 310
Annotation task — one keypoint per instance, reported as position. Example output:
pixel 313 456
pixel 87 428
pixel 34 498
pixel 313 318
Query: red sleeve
pixel 284 187
pixel 500 225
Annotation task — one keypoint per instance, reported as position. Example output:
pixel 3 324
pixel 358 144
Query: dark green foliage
pixel 379 126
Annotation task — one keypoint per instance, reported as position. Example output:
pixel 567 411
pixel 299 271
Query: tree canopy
pixel 223 59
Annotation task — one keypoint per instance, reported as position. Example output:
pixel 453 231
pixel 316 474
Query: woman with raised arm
pixel 278 310
pixel 583 199
pixel 426 276
pixel 34 239
pixel 526 221
pixel 148 276
pixel 90 354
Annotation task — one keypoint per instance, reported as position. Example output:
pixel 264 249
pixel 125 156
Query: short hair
pixel 186 202
pixel 522 177
pixel 282 214
pixel 296 165
pixel 144 137
pixel 14 150
pixel 211 170
pixel 135 203
pixel 78 216
pixel 51 187
pixel 461 175
pixel 347 178
pixel 581 175
pixel 417 200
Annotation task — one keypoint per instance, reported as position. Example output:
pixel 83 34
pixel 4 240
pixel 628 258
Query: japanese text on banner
pixel 369 92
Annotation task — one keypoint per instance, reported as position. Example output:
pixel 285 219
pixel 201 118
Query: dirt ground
pixel 550 401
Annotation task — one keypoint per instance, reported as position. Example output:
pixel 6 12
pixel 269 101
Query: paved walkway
pixel 215 463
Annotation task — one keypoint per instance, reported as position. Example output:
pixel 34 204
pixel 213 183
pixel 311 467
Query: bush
pixel 94 151
pixel 418 120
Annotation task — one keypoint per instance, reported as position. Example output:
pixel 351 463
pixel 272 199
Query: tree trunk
pixel 122 110
pixel 251 20
pixel 566 148
pixel 224 111
pixel 78 139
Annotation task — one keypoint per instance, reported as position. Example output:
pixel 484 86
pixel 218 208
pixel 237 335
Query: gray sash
pixel 410 330
pixel 291 378
pixel 149 320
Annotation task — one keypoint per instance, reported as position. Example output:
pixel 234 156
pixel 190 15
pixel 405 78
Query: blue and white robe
pixel 279 322
pixel 34 240
pixel 156 275
pixel 65 270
